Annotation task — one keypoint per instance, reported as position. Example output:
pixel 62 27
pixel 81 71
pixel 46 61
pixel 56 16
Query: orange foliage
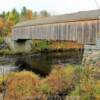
pixel 25 85
pixel 66 45
pixel 87 88
pixel 1 24
pixel 9 24
pixel 21 86
pixel 29 15
pixel 60 79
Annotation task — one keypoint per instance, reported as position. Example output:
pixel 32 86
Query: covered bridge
pixel 82 27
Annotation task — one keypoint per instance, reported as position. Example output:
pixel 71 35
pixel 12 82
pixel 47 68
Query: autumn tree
pixel 29 15
pixel 11 19
pixel 26 14
pixel 1 23
pixel 13 16
pixel 1 26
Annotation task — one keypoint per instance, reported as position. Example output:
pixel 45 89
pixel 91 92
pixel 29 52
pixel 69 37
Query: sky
pixel 55 7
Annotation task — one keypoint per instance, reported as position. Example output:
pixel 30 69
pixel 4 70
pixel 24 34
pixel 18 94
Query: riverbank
pixel 71 82
pixel 37 46
pixel 35 51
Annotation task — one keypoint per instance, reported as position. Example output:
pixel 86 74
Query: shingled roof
pixel 82 15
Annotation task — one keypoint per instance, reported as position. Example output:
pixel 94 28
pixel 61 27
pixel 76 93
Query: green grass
pixel 6 52
pixel 1 40
pixel 40 45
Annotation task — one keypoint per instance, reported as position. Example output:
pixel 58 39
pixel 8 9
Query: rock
pixel 3 46
pixel 1 96
pixel 92 59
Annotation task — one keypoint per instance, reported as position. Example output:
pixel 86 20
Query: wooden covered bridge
pixel 82 27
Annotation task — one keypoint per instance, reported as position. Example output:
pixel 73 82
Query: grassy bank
pixel 38 46
pixel 61 82
pixel 1 40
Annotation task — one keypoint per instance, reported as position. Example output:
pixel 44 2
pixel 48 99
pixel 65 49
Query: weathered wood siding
pixel 84 32
pixel 93 47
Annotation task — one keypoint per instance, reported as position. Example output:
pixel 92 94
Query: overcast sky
pixel 52 6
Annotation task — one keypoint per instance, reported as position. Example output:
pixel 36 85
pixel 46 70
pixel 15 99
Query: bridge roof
pixel 82 15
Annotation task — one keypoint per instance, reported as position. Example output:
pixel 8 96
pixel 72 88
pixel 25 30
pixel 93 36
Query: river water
pixel 41 63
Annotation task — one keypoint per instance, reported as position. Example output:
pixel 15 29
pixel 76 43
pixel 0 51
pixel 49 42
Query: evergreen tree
pixel 44 13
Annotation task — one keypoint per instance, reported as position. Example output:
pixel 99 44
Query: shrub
pixel 88 87
pixel 60 80
pixel 1 83
pixel 44 87
pixel 97 90
pixel 75 92
pixel 39 45
pixel 6 52
pixel 21 85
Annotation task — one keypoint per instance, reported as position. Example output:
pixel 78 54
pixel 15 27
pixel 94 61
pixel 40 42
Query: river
pixel 41 63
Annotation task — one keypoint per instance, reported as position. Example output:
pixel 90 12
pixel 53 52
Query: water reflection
pixel 5 69
pixel 43 63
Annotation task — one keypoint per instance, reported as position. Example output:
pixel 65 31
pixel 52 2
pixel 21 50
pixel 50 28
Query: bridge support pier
pixel 19 46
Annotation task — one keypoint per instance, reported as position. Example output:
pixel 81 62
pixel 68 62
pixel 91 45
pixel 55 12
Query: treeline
pixel 9 19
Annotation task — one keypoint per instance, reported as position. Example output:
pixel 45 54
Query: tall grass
pixel 61 80
pixel 1 40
